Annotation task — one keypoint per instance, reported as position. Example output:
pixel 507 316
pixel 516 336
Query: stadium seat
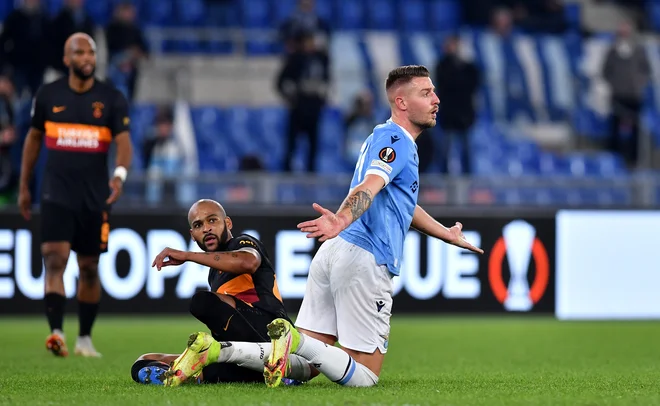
pixel 381 14
pixel 99 11
pixel 256 14
pixel 445 15
pixel 190 13
pixel 413 15
pixel 350 15
pixel 325 11
pixel 268 126
pixel 283 10
pixel 159 12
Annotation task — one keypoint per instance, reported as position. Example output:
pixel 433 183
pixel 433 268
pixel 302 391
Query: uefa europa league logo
pixel 519 238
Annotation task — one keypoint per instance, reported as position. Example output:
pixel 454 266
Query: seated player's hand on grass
pixel 326 227
pixel 169 257
pixel 458 239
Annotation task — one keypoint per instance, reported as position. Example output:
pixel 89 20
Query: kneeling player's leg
pixel 363 300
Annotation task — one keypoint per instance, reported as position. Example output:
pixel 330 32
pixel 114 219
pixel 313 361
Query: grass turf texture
pixel 431 361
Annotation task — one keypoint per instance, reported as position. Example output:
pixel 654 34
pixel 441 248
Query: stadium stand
pixel 222 57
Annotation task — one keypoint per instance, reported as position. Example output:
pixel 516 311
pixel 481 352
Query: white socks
pixel 334 363
pixel 254 355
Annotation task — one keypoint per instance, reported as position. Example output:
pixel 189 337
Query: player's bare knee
pixel 55 263
pixel 89 270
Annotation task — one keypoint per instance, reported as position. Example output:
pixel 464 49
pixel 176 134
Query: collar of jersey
pixel 403 129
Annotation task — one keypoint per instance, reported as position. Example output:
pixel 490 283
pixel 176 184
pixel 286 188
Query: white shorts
pixel 348 296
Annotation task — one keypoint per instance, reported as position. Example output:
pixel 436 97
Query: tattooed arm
pixel 245 260
pixel 359 199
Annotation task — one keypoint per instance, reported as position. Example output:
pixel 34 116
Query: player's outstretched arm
pixel 245 260
pixel 424 223
pixel 358 201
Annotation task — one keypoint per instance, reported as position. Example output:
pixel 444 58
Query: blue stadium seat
pixel 99 11
pixel 159 12
pixel 653 13
pixel 190 13
pixel 413 15
pixel 572 13
pixel 283 9
pixel 256 14
pixel 223 14
pixel 350 15
pixel 268 128
pixel 53 6
pixel 330 157
pixel 381 14
pixel 6 7
pixel 237 127
pixel 325 11
pixel 445 15
pixel 142 118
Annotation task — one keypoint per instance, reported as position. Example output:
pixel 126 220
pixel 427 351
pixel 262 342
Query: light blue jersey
pixel 391 153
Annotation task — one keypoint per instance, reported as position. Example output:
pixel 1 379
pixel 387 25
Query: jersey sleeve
pixel 120 118
pixel 38 113
pixel 386 156
pixel 245 241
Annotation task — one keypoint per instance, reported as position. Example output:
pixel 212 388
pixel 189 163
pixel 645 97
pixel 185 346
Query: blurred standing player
pixel 349 289
pixel 79 117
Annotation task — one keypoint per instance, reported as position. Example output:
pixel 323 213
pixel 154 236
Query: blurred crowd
pixel 31 43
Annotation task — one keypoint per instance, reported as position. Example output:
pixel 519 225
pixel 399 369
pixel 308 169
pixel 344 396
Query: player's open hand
pixel 169 257
pixel 326 227
pixel 117 186
pixel 458 239
pixel 25 203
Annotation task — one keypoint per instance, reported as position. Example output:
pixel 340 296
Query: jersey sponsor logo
pixel 394 138
pixel 520 245
pixel 387 155
pixel 58 109
pixel 98 109
pixel 77 137
pixel 382 165
pixel 126 120
pixel 243 242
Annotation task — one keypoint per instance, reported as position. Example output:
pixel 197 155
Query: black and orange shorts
pixel 86 230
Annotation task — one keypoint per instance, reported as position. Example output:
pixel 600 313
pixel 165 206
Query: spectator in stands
pixel 304 19
pixel 303 83
pixel 162 154
pixel 24 46
pixel 359 123
pixel 126 48
pixel 72 18
pixel 7 140
pixel 457 82
pixel 540 16
pixel 627 72
pixel 501 23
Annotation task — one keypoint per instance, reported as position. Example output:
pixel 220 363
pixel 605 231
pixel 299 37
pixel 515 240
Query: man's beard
pixel 78 72
pixel 222 240
pixel 426 125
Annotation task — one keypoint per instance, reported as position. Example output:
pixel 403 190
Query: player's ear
pixel 401 103
pixel 228 223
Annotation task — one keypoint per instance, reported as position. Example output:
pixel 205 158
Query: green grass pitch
pixel 431 361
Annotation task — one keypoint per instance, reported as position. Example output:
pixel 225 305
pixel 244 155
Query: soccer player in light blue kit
pixel 348 297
